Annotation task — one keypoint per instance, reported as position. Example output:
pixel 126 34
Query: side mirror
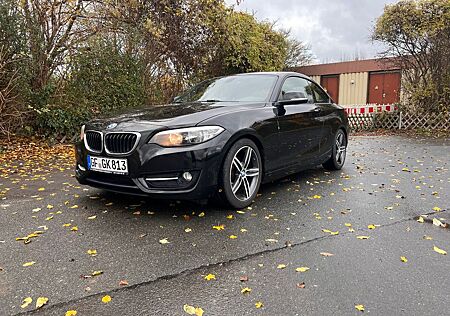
pixel 292 101
pixel 294 97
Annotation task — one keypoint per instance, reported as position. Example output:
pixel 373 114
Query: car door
pixel 327 115
pixel 299 124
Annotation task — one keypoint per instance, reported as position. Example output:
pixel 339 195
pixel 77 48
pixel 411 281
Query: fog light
pixel 187 176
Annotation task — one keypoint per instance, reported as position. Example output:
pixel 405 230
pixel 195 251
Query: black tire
pixel 339 152
pixel 246 192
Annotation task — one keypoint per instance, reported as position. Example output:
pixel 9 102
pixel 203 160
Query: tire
pixel 339 152
pixel 241 174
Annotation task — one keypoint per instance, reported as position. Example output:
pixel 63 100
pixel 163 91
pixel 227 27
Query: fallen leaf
pixel 187 230
pixel 92 252
pixel 259 304
pixel 71 313
pixel 438 223
pixel 164 241
pixel 371 226
pixel 233 237
pixel 74 228
pixel 66 225
pixel 427 237
pixel 440 251
pixel 360 307
pixel 191 310
pixel 243 278
pixel 281 266
pixel 41 301
pixel 219 227
pixel 326 254
pixel 92 217
pixel 246 290
pixel 123 283
pixel 363 237
pixel 420 219
pixel 230 216
pixel 330 232
pixel 27 264
pixel 202 214
pixel 26 301
pixel 97 272
pixel 301 285
pixel 436 209
pixel 41 189
pixel 317 197
pixel 403 259
pixel 210 277
pixel 106 299
pixel 302 269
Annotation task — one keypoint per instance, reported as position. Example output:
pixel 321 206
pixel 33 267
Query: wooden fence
pixel 398 120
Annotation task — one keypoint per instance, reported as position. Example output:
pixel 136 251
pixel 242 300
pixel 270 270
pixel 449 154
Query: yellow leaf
pixel 230 217
pixel 74 228
pixel 219 227
pixel 420 219
pixel 106 299
pixel 427 237
pixel 348 224
pixel 233 237
pixel 240 212
pixel 436 209
pixel 202 214
pixel 41 189
pixel 210 277
pixel 191 310
pixel 97 272
pixel 164 241
pixel 246 290
pixel 71 313
pixel 281 266
pixel 302 269
pixel 27 264
pixel 326 254
pixel 403 259
pixel 437 222
pixel 440 251
pixel 49 218
pixel 92 252
pixel 74 206
pixel 363 237
pixel 92 217
pixel 317 197
pixel 187 230
pixel 26 301
pixel 330 232
pixel 259 304
pixel 49 206
pixel 360 307
pixel 41 301
pixel 371 226
pixel 66 225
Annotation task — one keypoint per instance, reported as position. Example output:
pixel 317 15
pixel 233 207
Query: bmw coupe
pixel 220 139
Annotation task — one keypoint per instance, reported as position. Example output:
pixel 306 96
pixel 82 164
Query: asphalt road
pixel 154 255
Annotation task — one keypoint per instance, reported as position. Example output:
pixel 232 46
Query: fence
pixel 398 120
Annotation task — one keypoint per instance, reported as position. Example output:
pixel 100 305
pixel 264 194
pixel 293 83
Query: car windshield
pixel 240 88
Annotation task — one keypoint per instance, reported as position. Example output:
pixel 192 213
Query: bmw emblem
pixel 111 126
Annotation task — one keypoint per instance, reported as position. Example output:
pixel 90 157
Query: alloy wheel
pixel 244 173
pixel 341 149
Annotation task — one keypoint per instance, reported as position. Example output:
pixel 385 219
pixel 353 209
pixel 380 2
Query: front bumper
pixel 156 171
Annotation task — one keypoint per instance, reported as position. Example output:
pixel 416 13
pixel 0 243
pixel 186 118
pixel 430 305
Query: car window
pixel 319 95
pixel 297 85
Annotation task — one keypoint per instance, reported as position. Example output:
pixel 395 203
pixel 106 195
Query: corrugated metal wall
pixel 353 88
pixel 316 79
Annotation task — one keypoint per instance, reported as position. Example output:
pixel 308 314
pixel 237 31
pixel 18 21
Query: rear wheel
pixel 241 173
pixel 339 152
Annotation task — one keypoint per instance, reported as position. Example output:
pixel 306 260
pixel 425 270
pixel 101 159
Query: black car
pixel 222 138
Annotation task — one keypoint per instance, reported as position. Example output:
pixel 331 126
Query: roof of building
pixel 367 65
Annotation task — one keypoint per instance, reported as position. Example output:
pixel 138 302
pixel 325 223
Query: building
pixel 361 82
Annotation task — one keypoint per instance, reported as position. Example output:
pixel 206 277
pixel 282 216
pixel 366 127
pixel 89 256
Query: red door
pixel 331 85
pixel 384 87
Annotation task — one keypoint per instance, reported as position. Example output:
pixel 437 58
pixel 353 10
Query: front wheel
pixel 339 152
pixel 241 173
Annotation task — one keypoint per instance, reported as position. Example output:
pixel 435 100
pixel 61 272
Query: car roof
pixel 277 73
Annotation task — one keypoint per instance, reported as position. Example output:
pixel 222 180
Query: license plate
pixel 107 165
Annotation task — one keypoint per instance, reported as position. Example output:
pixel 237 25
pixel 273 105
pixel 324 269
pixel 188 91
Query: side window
pixel 319 95
pixel 296 87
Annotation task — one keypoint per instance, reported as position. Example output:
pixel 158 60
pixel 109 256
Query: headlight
pixel 82 132
pixel 186 136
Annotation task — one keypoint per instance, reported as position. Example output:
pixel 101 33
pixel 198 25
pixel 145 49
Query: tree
pixel 417 33
pixel 298 53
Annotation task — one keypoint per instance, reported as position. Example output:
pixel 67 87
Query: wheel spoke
pixel 253 172
pixel 237 164
pixel 246 187
pixel 248 157
pixel 237 185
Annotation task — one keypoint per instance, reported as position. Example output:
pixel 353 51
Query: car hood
pixel 171 116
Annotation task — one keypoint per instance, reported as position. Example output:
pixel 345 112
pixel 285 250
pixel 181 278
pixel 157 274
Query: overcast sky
pixel 335 29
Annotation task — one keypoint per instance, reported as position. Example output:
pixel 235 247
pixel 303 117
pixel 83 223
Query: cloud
pixel 335 30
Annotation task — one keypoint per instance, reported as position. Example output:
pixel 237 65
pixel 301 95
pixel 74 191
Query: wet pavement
pixel 152 257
